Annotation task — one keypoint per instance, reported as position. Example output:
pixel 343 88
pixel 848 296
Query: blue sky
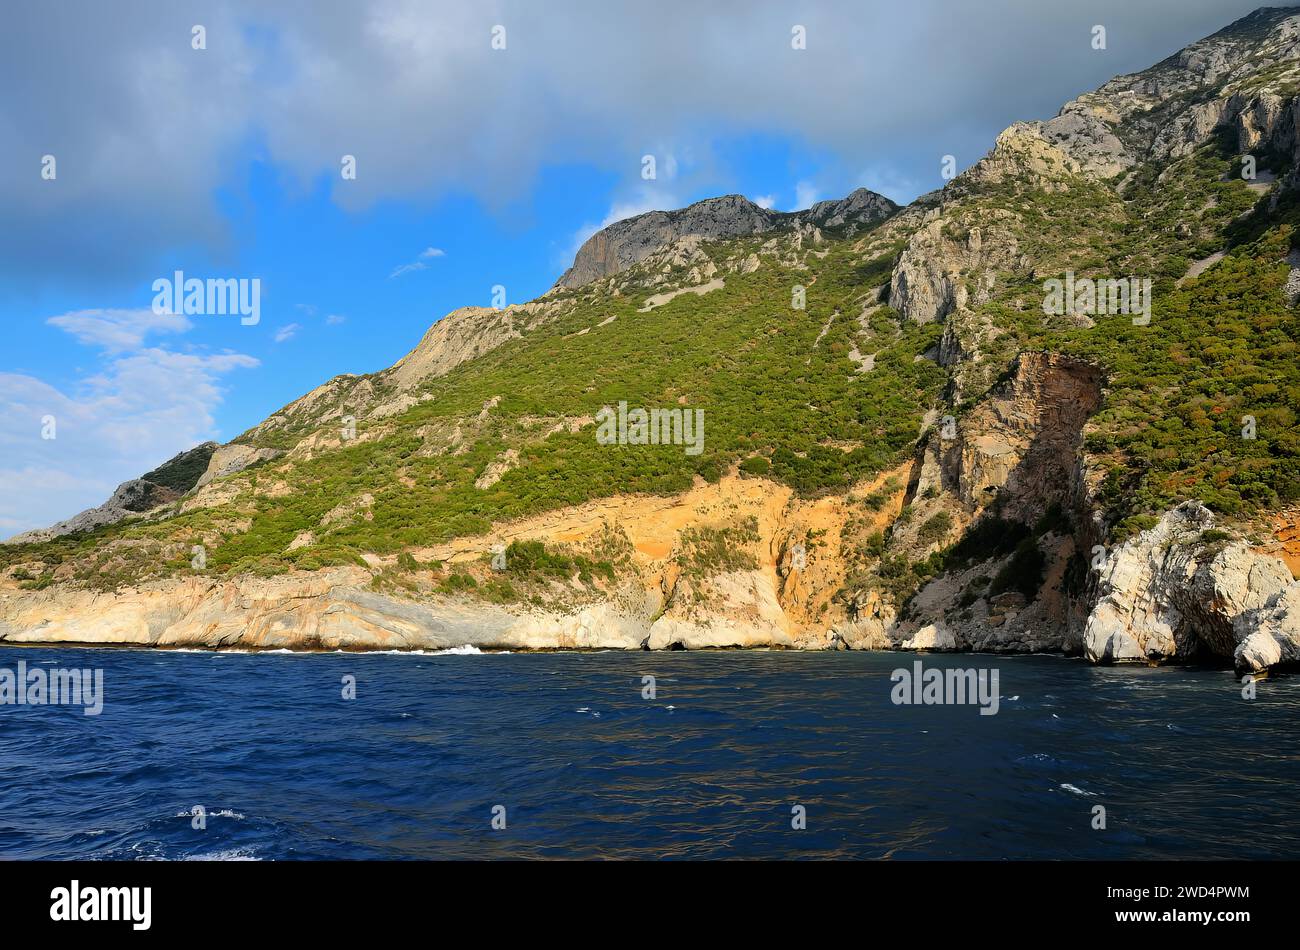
pixel 475 167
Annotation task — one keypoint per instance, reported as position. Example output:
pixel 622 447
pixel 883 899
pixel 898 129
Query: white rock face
pixel 233 458
pixel 743 611
pixel 330 610
pixel 1173 592
pixel 1269 635
pixel 932 637
pixel 335 609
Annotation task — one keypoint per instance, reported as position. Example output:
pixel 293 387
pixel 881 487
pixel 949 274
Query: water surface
pixel 286 768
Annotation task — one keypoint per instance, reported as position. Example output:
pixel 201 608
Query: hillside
pixel 902 446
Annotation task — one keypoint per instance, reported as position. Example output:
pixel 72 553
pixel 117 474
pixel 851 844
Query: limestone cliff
pixel 1184 589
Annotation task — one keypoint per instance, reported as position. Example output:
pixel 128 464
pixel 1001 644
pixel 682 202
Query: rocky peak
pixel 630 241
pixel 1242 80
pixel 1171 108
pixel 624 243
pixel 858 207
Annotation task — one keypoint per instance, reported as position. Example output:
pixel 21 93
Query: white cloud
pixel 139 411
pixel 420 263
pixel 310 310
pixel 118 330
pixel 143 406
pixel 287 332
pixel 764 201
pixel 167 127
pixel 805 195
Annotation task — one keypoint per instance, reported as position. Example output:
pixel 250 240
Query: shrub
pixel 1024 572
pixel 936 528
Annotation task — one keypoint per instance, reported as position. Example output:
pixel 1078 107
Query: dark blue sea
pixel 583 766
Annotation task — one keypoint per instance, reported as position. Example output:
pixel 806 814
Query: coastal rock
pixel 742 611
pixel 1177 590
pixel 1269 635
pixel 335 609
pixel 932 636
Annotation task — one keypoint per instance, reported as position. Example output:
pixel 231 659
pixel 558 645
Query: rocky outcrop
pixel 934 637
pixel 1015 451
pixel 1184 589
pixel 947 266
pixel 1021 443
pixel 133 497
pixel 1241 79
pixel 621 245
pixel 233 458
pixel 859 208
pixel 1270 635
pixel 624 243
pixel 1167 111
pixel 461 335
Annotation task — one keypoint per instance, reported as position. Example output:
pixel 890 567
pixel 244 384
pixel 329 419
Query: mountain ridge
pixel 621 244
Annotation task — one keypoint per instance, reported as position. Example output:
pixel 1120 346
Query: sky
pixel 139 138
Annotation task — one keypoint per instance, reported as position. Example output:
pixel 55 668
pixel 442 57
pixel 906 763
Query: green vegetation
pixel 936 528
pixel 1023 573
pixel 183 472
pixel 1201 403
pixel 531 561
pixel 707 551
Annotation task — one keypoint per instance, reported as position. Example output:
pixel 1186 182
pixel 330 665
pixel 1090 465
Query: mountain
pixel 614 249
pixel 1051 407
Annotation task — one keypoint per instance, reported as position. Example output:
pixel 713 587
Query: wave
pixel 1077 790
pixel 230 854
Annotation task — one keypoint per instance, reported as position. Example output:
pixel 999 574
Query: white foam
pixel 231 854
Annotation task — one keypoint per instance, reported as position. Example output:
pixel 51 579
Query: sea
pixel 199 755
